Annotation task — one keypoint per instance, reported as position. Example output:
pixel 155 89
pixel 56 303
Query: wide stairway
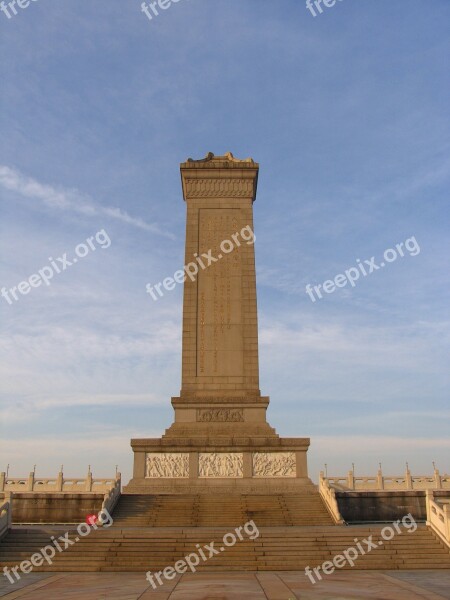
pixel 285 548
pixel 295 531
pixel 199 510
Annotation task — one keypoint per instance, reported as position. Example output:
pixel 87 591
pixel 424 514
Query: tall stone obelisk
pixel 220 373
pixel 220 436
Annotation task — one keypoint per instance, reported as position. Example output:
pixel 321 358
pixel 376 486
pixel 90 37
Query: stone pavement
pixel 355 585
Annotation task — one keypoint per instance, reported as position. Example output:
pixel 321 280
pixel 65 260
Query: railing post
pixel 428 497
pixel 380 480
pixel 9 498
pixel 437 480
pixel 351 480
pixel 60 482
pixel 2 481
pixel 447 521
pixel 408 478
pixel 31 482
pixel 89 481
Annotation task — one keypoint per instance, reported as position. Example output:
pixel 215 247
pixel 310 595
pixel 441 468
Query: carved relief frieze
pixel 219 188
pixel 168 465
pixel 274 464
pixel 220 464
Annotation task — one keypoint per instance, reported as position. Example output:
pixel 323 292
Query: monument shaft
pixel 220 371
pixel 220 333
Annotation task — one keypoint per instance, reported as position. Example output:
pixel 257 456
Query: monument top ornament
pixel 224 177
pixel 226 158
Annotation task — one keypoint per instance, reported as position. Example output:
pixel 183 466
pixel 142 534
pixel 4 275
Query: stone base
pixel 219 486
pixel 228 464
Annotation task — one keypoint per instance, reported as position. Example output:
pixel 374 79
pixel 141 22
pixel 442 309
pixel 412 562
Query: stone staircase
pixel 283 548
pixel 199 510
pixel 295 531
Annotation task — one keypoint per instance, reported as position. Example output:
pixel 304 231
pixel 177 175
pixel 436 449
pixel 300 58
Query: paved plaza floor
pixel 286 585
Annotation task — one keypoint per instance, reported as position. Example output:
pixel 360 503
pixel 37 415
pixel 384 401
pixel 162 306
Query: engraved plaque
pixel 220 464
pixel 274 464
pixel 168 465
pixel 209 415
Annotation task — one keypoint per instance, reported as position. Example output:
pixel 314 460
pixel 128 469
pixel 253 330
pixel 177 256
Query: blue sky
pixel 347 114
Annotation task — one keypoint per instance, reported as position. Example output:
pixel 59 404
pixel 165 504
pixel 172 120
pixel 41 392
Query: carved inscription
pixel 233 399
pixel 274 464
pixel 220 464
pixel 219 310
pixel 220 415
pixel 167 465
pixel 201 350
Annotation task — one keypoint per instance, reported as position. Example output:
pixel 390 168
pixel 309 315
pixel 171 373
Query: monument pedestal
pixel 228 463
pixel 220 439
pixel 235 465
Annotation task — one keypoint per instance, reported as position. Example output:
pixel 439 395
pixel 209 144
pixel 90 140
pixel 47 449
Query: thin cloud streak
pixel 69 200
pixel 345 444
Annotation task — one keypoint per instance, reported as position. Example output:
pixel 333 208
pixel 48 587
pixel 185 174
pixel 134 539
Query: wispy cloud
pixel 408 346
pixel 367 451
pixel 99 447
pixel 346 444
pixel 100 451
pixel 41 402
pixel 29 408
pixel 69 200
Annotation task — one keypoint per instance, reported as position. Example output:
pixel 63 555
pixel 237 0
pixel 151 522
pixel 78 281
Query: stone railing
pixel 112 496
pixel 390 483
pixel 5 516
pixel 57 484
pixel 438 517
pixel 328 495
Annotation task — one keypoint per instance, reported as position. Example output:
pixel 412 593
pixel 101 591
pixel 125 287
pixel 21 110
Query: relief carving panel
pixel 167 465
pixel 274 464
pixel 220 464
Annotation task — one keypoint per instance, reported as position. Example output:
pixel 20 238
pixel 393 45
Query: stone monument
pixel 220 438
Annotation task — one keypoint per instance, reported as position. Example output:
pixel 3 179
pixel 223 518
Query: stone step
pixel 282 548
pixel 296 531
pixel 213 510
